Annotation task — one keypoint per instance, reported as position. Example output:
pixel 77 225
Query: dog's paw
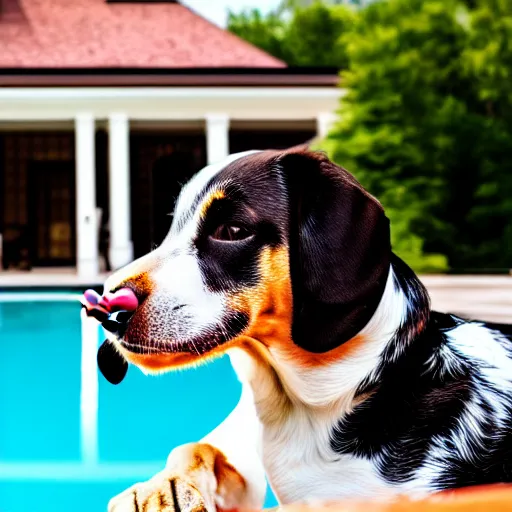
pixel 163 493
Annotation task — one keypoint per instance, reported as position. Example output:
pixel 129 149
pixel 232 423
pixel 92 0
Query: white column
pixel 86 228
pixel 89 391
pixel 121 247
pixel 324 122
pixel 217 137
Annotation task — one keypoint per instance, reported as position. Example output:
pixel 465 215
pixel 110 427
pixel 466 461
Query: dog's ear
pixel 339 250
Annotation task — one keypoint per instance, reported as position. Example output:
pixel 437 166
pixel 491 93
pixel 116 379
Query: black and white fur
pixel 424 404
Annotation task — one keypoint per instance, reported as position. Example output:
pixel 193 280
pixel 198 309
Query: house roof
pixel 101 34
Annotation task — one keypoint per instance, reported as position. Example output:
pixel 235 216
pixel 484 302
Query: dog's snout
pixel 123 299
pixel 113 309
pixel 117 322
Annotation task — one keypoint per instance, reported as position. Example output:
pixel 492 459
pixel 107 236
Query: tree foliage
pixel 301 36
pixel 425 122
pixel 425 125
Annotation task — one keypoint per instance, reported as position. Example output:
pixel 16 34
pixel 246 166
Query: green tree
pixel 426 118
pixel 266 31
pixel 416 129
pixel 300 36
pixel 305 3
pixel 488 61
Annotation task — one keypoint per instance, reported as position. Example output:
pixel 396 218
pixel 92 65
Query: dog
pixel 352 387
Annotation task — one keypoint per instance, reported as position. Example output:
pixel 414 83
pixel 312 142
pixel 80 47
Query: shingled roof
pixel 118 34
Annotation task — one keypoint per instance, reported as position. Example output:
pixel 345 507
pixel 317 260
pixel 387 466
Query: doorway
pixel 51 236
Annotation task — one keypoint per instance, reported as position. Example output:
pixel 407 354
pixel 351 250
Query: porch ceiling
pixel 167 103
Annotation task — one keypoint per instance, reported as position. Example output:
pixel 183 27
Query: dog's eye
pixel 231 233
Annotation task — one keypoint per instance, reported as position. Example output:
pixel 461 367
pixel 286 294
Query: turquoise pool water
pixel 44 465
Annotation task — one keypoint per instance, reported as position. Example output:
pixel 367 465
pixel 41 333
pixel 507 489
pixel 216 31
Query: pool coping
pixel 37 279
pixel 39 296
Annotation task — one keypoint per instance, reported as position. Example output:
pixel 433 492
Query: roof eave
pixel 172 77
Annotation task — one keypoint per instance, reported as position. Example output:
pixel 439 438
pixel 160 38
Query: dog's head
pixel 280 248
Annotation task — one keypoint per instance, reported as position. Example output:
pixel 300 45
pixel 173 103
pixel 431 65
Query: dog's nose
pixel 113 310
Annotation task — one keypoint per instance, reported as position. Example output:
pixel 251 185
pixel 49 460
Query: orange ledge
pixel 492 498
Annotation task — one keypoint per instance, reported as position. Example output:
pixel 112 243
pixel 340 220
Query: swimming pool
pixel 66 434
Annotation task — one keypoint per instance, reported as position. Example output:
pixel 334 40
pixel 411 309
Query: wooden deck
pixel 475 297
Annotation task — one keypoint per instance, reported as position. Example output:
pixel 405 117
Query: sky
pixel 215 10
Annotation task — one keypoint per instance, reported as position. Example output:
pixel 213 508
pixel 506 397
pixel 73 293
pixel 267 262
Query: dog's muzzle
pixel 113 311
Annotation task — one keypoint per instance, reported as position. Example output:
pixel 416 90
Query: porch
pixel 89 176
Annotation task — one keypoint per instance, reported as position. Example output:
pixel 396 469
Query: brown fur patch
pixel 205 205
pixel 310 359
pixel 197 462
pixel 192 461
pixel 160 361
pixel 270 305
pixel 228 478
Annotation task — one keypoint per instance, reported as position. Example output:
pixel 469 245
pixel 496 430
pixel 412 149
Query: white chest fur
pixel 294 444
pixel 301 466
